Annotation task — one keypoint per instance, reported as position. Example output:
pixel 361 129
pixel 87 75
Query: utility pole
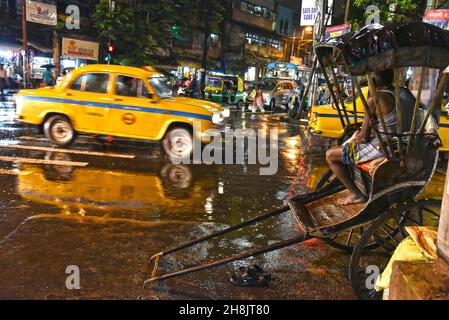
pixel 25 45
pixel 56 56
pixel 205 15
pixel 348 7
pixel 293 44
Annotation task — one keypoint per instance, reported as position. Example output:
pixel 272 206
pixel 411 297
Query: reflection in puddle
pixel 97 191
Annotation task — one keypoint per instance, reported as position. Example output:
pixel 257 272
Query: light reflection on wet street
pixel 109 216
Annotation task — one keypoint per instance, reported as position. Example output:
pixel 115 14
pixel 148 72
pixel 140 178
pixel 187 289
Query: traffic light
pixel 110 49
pixel 175 30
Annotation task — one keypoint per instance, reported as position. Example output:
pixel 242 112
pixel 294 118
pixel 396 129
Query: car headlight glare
pixel 226 113
pixel 217 118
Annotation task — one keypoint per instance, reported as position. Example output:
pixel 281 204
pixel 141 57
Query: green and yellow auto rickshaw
pixel 225 89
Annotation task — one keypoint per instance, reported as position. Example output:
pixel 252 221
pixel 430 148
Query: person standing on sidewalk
pixel 10 73
pixel 2 80
pixel 259 101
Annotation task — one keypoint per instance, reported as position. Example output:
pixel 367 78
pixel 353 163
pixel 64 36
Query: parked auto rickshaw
pixel 225 89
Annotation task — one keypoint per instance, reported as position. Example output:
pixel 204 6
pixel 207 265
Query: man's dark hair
pixel 384 78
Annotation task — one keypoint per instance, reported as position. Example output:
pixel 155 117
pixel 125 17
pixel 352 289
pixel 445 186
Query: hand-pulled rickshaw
pixel 370 230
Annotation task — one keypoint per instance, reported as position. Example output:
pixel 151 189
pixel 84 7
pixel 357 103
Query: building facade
pixel 43 41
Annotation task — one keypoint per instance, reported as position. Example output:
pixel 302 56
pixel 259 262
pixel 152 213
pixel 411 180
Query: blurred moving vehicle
pixel 276 93
pixel 324 120
pixel 118 101
pixel 225 89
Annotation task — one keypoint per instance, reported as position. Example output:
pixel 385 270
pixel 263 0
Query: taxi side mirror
pixel 150 96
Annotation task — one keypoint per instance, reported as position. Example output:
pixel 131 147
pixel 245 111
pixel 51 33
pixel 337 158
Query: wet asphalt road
pixel 109 216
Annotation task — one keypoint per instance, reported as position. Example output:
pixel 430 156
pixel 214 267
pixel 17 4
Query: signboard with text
pixel 73 48
pixel 42 13
pixel 439 18
pixel 309 11
pixel 336 31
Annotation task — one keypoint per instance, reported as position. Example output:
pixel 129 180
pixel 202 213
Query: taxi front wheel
pixel 58 129
pixel 178 143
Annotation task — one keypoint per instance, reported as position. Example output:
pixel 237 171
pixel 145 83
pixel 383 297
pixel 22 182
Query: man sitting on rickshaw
pixel 364 145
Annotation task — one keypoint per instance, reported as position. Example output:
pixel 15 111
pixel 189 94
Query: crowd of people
pixel 188 87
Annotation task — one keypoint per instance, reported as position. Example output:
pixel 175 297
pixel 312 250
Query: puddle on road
pixel 109 217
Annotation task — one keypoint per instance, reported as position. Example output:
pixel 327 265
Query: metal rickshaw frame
pixel 391 184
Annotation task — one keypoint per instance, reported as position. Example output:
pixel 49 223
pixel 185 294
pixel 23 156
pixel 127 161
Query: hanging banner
pixel 42 13
pixel 73 48
pixel 336 31
pixel 439 18
pixel 309 11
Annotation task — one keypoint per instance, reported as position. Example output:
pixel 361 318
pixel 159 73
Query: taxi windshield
pixel 161 87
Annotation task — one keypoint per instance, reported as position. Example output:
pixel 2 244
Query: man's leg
pixel 334 158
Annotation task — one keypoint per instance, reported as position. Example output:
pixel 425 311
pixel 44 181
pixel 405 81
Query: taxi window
pixel 92 82
pixel 130 87
pixel 287 86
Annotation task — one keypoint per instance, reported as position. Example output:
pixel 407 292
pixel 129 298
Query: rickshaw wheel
pixel 415 215
pixel 377 243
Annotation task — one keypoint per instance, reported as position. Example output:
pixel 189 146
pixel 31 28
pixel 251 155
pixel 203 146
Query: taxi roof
pixel 139 72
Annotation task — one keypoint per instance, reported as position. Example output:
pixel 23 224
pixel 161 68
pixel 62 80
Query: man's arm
pixel 365 130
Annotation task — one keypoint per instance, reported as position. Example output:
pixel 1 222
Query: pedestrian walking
pixel 47 77
pixel 259 101
pixel 3 77
pixel 194 87
pixel 10 74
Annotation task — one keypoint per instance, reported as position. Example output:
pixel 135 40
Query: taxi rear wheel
pixel 178 143
pixel 59 130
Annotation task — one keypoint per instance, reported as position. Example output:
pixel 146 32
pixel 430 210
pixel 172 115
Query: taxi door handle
pixel 112 99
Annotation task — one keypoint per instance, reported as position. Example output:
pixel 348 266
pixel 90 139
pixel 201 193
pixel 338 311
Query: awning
pixel 36 46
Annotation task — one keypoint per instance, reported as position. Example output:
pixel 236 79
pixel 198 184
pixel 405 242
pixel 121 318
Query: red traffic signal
pixel 110 48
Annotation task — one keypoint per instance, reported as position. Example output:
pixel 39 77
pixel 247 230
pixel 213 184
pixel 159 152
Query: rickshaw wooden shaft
pixel 227 230
pixel 246 254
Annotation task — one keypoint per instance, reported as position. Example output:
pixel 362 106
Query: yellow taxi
pixel 324 120
pixel 118 101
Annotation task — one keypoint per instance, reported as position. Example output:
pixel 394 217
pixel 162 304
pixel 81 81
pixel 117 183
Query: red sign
pixel 439 18
pixel 438 15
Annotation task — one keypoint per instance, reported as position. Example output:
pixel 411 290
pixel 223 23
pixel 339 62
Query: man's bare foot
pixel 351 199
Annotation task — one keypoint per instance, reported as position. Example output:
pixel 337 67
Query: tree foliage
pixel 138 31
pixel 389 10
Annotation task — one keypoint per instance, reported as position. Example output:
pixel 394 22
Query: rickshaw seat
pixel 371 166
pixel 324 212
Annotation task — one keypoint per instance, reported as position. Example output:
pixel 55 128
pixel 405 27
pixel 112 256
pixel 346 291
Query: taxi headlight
pixel 18 103
pixel 226 113
pixel 217 118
